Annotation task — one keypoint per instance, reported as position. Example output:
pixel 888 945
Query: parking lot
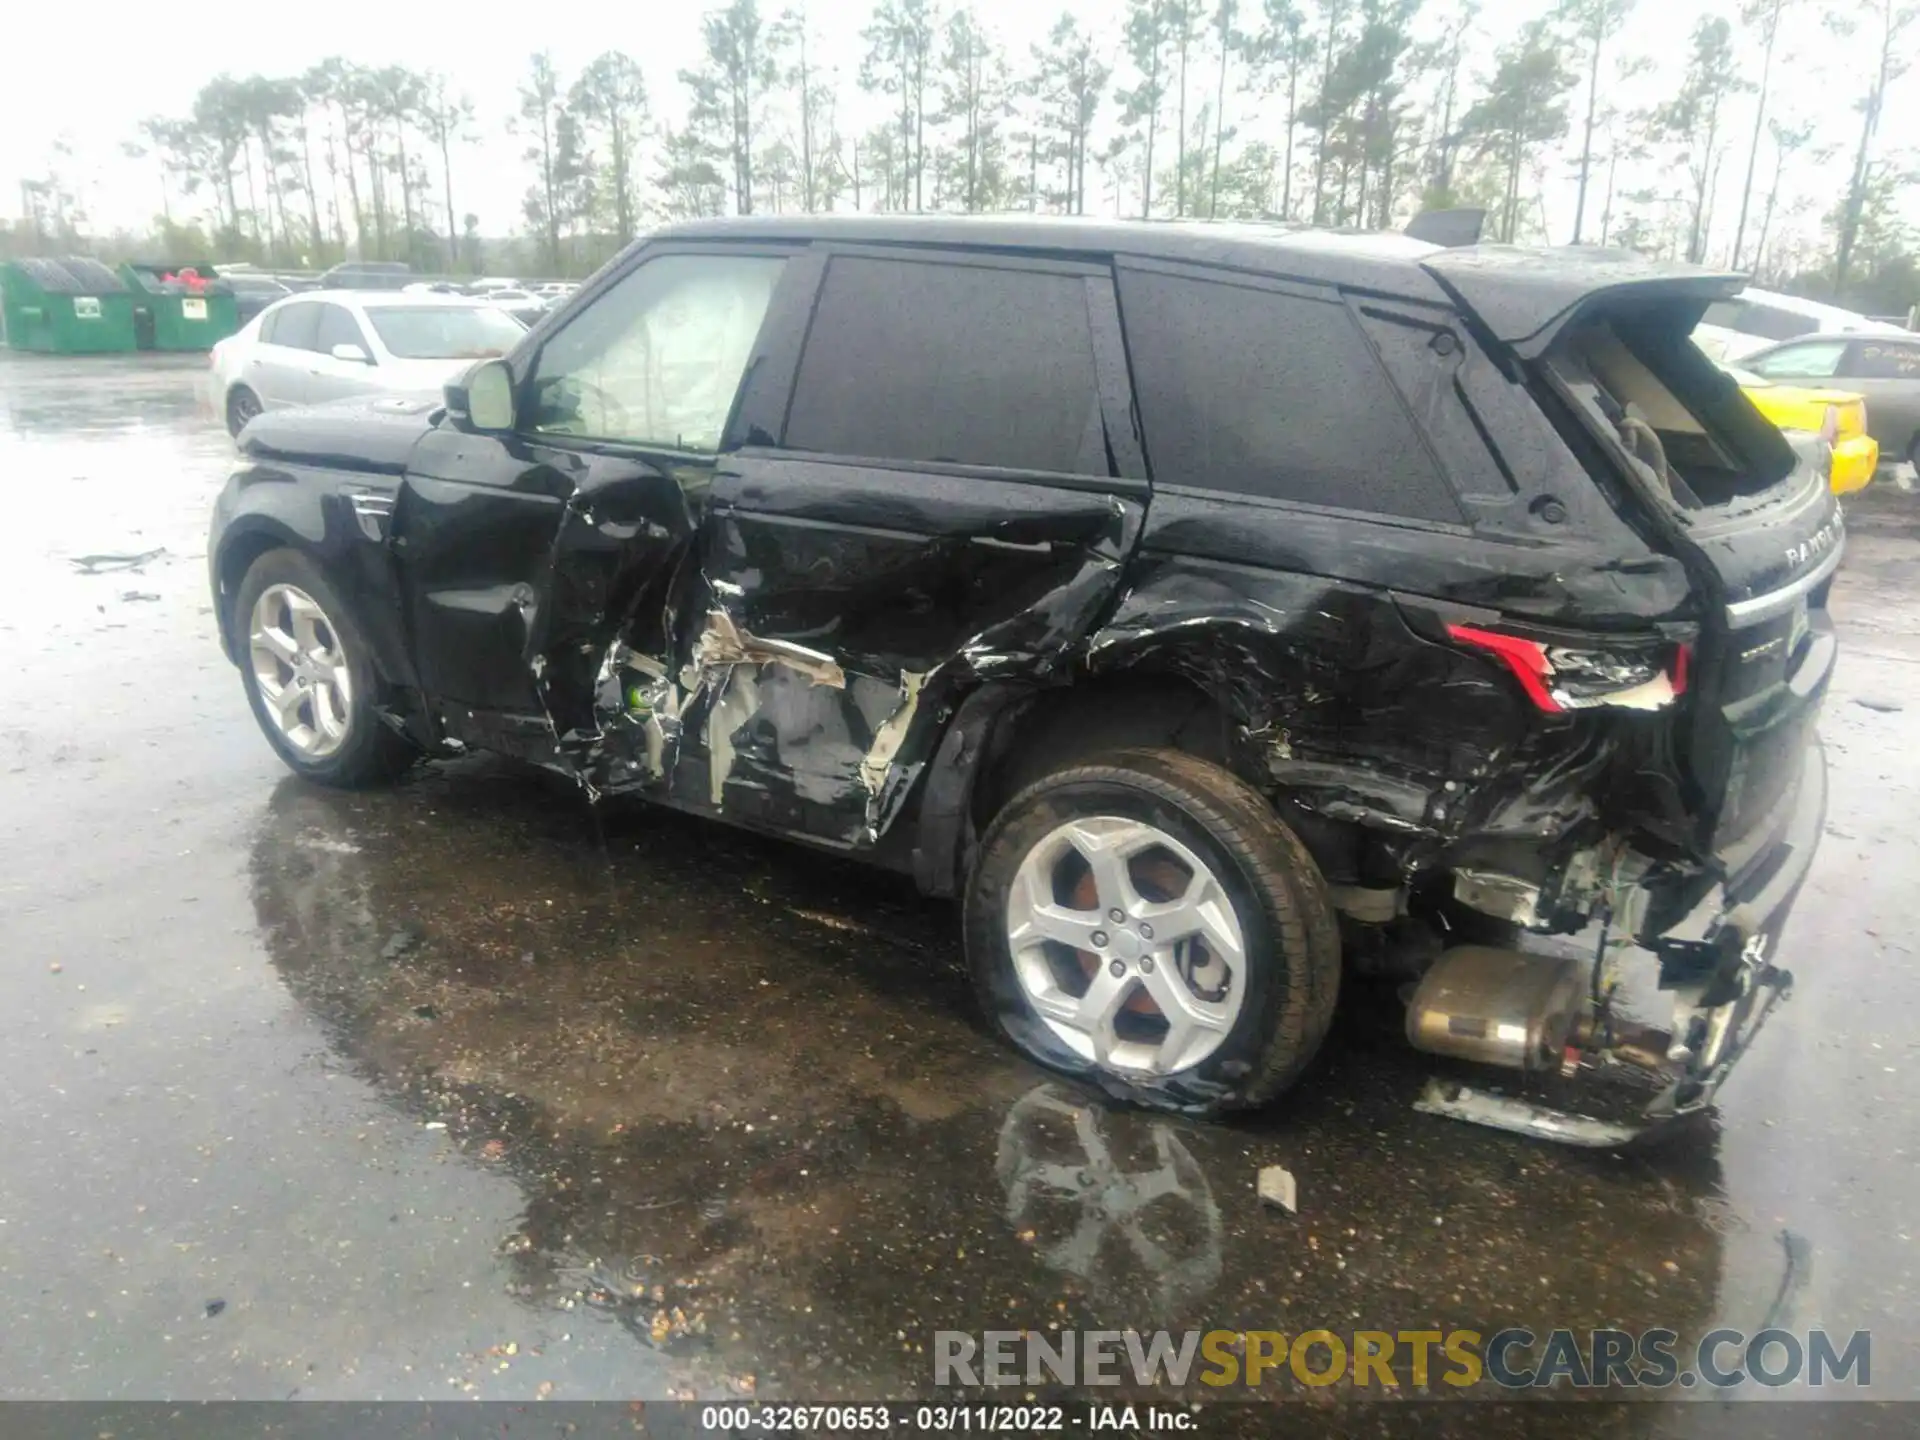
pixel 468 1089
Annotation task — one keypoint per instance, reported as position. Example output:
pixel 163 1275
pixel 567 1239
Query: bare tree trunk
pixel 1219 127
pixel 1286 174
pixel 1326 124
pixel 313 197
pixel 1586 139
pixel 1759 120
pixel 453 216
pixel 1180 155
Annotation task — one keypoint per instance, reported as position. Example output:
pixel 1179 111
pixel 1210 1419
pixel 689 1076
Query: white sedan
pixel 328 345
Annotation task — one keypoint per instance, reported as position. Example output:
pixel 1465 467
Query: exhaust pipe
pixel 1497 1007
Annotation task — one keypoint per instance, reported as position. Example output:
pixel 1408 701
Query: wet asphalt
pixel 466 1089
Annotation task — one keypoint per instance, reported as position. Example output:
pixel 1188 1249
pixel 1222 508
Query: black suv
pixel 1210 608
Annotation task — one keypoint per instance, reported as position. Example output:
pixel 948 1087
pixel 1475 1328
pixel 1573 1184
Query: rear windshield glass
pixel 1678 421
pixel 444 332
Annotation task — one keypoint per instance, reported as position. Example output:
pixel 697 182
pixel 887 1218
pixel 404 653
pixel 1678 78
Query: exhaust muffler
pixel 1497 1007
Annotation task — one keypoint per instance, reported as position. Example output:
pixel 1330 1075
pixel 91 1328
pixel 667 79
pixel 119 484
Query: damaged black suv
pixel 1209 608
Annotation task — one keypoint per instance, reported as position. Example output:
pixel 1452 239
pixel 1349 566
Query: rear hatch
pixel 1691 462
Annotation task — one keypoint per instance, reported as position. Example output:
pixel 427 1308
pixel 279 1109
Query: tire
pixel 1288 971
pixel 242 406
pixel 335 735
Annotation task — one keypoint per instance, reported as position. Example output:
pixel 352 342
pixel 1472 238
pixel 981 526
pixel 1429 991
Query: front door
pixel 938 487
pixel 330 378
pixel 539 566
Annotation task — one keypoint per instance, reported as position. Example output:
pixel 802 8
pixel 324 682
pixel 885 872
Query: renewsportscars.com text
pixel 1510 1359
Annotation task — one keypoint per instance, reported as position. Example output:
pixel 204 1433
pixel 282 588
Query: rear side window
pixel 296 326
pixel 1278 395
pixel 338 327
pixel 964 364
pixel 1884 360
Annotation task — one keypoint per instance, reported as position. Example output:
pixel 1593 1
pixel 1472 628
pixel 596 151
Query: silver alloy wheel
pixel 1127 946
pixel 241 408
pixel 300 668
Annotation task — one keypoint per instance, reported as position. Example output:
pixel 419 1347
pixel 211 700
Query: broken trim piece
pixel 1501 1112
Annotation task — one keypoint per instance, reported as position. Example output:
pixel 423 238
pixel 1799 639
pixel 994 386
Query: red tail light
pixel 1560 678
pixel 1527 659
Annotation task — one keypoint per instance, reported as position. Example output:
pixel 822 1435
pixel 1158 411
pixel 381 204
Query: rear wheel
pixel 242 406
pixel 1144 921
pixel 309 675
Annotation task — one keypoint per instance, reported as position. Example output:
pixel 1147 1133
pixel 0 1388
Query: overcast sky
pixel 94 90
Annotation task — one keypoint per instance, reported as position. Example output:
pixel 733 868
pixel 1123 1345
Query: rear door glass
pixel 298 327
pixel 338 327
pixel 964 364
pixel 1883 360
pixel 1256 391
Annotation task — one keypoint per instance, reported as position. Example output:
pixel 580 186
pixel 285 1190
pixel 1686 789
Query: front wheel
pixel 309 675
pixel 1145 922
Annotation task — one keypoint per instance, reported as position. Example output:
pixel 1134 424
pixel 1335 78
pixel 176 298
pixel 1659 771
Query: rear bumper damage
pixel 1718 966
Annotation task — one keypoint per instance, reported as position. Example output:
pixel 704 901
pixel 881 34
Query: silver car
pixel 329 345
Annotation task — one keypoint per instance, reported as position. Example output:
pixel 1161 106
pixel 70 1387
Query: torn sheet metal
pixel 723 642
pixel 887 782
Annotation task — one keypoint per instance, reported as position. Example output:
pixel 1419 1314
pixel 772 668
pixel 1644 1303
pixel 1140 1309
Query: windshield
pixel 444 332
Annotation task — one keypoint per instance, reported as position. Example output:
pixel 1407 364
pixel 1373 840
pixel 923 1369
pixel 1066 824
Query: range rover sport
pixel 1208 609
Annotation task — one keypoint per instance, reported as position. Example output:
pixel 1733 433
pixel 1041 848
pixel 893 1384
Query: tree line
pixel 1335 112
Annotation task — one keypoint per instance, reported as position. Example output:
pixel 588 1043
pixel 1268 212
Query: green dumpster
pixel 74 306
pixel 180 307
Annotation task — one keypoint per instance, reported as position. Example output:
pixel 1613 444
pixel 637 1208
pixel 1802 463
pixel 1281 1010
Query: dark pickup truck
pixel 1214 611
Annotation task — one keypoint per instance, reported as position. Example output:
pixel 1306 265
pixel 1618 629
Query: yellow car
pixel 1837 416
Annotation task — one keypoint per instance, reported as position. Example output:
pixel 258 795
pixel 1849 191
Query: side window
pixel 338 327
pixel 269 322
pixel 1884 360
pixel 1817 359
pixel 967 364
pixel 299 326
pixel 656 360
pixel 1259 393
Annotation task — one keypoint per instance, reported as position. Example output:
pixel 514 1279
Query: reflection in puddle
pixel 1113 1199
pixel 762 1145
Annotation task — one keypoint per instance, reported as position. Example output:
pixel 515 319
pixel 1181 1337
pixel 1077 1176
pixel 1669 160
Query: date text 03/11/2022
pixel 945 1419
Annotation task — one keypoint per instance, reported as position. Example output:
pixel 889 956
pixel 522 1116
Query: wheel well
pixel 236 558
pixel 1059 727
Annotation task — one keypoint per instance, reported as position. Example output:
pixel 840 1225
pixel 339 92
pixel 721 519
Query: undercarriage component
pixel 1504 897
pixel 1499 1007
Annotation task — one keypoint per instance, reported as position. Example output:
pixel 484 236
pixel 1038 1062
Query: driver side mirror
pixel 352 353
pixel 483 397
